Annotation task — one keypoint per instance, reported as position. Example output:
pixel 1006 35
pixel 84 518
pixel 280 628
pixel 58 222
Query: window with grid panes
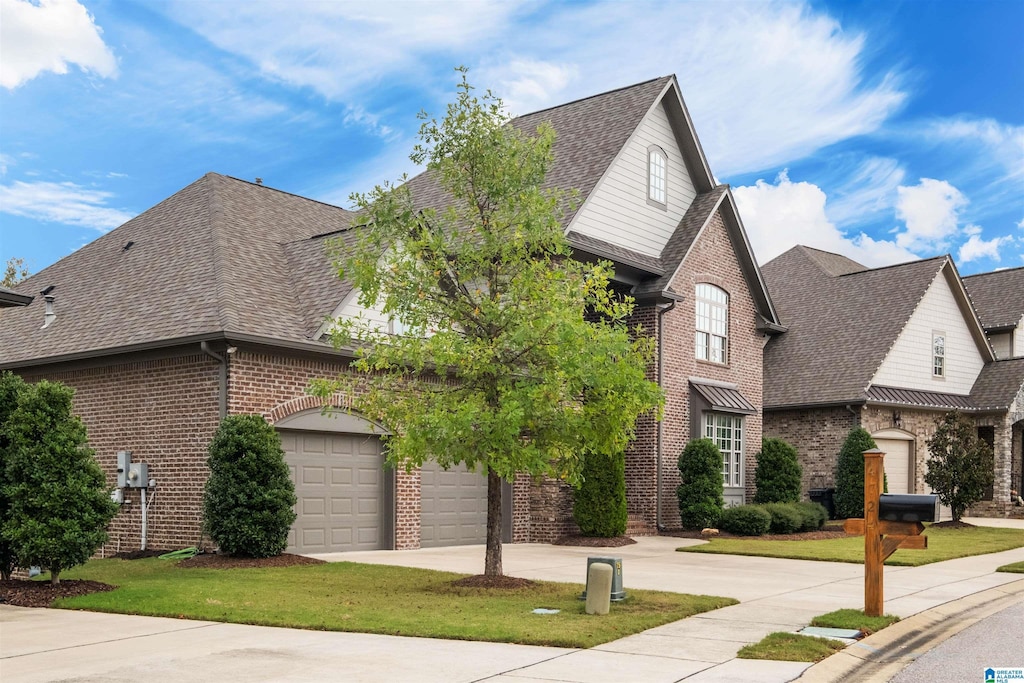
pixel 657 177
pixel 727 433
pixel 712 306
pixel 938 355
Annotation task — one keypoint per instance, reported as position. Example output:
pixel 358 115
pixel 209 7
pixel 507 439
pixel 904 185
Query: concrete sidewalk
pixel 775 595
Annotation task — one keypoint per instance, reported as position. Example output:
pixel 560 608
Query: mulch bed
pixel 595 541
pixel 216 561
pixel 950 524
pixel 500 582
pixel 138 554
pixel 802 536
pixel 24 593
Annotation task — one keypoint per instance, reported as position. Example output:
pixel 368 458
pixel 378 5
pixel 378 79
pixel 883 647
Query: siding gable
pixel 617 210
pixel 909 362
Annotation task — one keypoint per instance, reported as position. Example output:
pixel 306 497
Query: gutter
pixel 661 423
pixel 222 379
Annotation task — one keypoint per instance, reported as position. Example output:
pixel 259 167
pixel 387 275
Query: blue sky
pixel 883 131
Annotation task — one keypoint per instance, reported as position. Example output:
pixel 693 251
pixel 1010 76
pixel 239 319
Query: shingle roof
pixel 838 331
pixel 211 258
pixel 999 383
pixel 998 296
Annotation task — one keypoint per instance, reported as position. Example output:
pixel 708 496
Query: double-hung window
pixel 712 306
pixel 657 177
pixel 938 354
pixel 727 432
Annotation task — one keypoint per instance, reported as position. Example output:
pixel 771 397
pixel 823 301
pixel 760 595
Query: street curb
pixel 882 655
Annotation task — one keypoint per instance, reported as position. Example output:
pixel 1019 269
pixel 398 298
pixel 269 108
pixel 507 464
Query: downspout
pixel 661 423
pixel 223 378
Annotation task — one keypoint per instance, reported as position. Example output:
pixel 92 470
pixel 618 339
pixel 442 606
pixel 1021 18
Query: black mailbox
pixel 908 507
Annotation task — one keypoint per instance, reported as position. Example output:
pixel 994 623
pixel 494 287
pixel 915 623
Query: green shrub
pixel 599 504
pixel 745 520
pixel 814 516
pixel 59 503
pixel 778 473
pixel 849 495
pixel 11 386
pixel 786 518
pixel 700 491
pixel 247 504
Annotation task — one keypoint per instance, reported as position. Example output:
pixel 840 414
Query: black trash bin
pixel 824 497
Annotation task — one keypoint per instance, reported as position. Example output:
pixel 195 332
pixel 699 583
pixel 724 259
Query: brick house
pixel 214 302
pixel 890 350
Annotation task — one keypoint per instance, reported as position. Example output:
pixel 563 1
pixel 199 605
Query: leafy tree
pixel 778 473
pixel 59 501
pixel 599 504
pixel 249 496
pixel 700 490
pixel 960 468
pixel 849 496
pixel 488 298
pixel 14 272
pixel 11 387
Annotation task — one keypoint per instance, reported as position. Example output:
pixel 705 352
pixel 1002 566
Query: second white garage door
pixel 453 509
pixel 897 463
pixel 339 483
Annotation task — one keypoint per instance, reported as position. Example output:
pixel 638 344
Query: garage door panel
pixel 339 486
pixel 453 506
pixel 897 463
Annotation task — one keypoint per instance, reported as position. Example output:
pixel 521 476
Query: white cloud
pixel 1002 144
pixel 781 215
pixel 526 85
pixel 47 37
pixel 5 161
pixel 975 247
pixel 65 203
pixel 865 191
pixel 930 210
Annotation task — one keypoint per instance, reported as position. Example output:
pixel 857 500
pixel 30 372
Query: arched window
pixel 712 306
pixel 657 177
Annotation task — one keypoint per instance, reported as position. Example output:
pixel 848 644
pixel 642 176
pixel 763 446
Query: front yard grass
pixel 791 647
pixel 1013 568
pixel 347 596
pixel 854 619
pixel 943 544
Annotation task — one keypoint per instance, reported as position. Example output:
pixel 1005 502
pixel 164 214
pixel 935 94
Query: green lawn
pixel 791 647
pixel 346 596
pixel 943 544
pixel 854 619
pixel 1014 568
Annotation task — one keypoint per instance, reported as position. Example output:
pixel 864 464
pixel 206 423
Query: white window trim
pixel 651 152
pixel 732 459
pixel 706 345
pixel 939 366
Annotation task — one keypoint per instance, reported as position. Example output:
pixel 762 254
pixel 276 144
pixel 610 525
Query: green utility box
pixel 618 594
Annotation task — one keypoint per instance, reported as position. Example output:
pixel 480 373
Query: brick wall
pixel 163 410
pixel 711 260
pixel 818 435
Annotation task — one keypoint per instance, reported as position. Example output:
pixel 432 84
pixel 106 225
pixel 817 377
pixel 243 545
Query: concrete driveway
pixel 52 645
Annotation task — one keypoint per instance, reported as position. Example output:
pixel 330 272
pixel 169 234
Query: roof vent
pixel 259 181
pixel 49 316
pixel 47 290
pixel 127 246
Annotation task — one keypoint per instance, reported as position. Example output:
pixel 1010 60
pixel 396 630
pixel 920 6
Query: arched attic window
pixel 657 177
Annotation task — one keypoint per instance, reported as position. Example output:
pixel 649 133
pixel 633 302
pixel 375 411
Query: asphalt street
pixel 994 642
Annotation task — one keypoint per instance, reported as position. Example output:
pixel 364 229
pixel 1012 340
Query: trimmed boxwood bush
pixel 247 504
pixel 849 495
pixel 814 516
pixel 700 491
pixel 599 504
pixel 786 518
pixel 745 520
pixel 778 473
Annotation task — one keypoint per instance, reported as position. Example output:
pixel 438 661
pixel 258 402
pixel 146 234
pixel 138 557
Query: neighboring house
pixel 888 349
pixel 999 299
pixel 214 302
pixel 10 298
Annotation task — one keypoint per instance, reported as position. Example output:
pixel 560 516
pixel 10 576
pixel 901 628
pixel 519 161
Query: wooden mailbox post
pixel 881 538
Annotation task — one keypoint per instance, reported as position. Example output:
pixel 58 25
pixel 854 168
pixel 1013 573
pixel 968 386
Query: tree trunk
pixel 492 559
pixel 54 577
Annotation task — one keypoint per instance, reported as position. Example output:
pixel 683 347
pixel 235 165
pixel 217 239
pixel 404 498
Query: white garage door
pixel 339 483
pixel 453 506
pixel 897 463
